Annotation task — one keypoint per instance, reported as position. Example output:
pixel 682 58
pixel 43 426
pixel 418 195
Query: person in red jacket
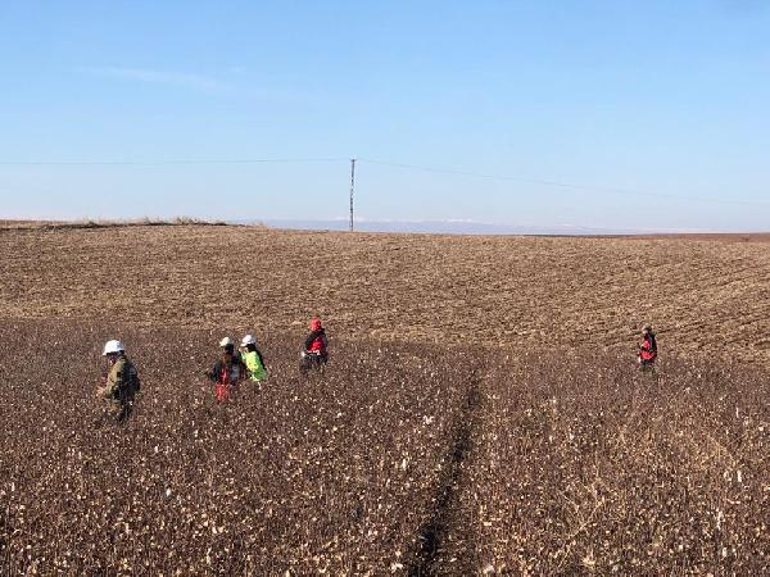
pixel 648 350
pixel 315 352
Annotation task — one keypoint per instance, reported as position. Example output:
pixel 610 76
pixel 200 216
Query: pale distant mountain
pixel 446 227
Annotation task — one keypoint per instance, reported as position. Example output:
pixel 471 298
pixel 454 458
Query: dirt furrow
pixel 445 515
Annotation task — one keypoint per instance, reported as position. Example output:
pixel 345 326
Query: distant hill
pixel 446 227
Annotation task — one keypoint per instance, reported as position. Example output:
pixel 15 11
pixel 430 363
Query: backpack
pixel 131 382
pixel 135 379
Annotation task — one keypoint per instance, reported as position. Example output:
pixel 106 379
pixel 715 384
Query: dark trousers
pixel 310 362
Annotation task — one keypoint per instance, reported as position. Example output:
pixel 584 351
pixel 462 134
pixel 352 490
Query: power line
pixel 430 169
pixel 559 184
pixel 167 162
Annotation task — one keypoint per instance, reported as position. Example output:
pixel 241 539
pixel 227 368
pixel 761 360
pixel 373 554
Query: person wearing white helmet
pixel 252 358
pixel 121 382
pixel 227 371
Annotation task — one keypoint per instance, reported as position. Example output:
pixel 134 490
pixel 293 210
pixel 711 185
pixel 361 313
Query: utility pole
pixel 352 188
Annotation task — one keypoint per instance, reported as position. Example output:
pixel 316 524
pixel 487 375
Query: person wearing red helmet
pixel 315 353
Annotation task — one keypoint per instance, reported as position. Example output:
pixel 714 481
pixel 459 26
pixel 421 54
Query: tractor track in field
pixel 445 512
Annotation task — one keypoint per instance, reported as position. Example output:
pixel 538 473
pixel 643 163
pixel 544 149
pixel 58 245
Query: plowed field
pixel 706 296
pixel 481 412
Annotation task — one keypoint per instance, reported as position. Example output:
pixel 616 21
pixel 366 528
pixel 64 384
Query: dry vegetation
pixel 496 291
pixel 481 413
pixel 599 469
pixel 327 474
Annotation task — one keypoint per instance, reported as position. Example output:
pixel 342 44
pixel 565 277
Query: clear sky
pixel 655 113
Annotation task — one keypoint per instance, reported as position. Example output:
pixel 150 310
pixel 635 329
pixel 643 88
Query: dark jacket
pixel 227 371
pixel 316 342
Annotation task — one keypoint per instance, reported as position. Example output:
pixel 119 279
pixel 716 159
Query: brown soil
pixel 512 292
pixel 716 237
pixel 469 450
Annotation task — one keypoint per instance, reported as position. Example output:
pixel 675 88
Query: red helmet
pixel 315 324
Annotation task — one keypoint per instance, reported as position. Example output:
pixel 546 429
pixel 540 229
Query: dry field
pixel 481 413
pixel 320 475
pixel 598 470
pixel 703 296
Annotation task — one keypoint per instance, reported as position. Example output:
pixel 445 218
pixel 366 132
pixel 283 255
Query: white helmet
pixel 226 342
pixel 248 340
pixel 112 347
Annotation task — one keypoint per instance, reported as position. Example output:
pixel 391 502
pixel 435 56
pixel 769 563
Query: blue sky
pixel 654 113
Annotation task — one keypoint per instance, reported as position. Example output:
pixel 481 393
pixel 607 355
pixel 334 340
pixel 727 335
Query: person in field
pixel 252 359
pixel 227 371
pixel 648 350
pixel 120 382
pixel 315 352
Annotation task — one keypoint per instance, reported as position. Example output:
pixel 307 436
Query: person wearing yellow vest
pixel 253 359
